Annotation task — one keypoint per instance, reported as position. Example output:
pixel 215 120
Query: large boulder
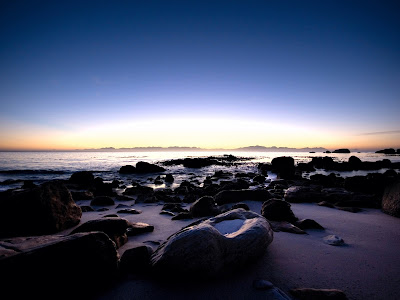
pixel 210 247
pixel 391 199
pixel 40 267
pixel 205 206
pixel 46 209
pixel 115 228
pixel 233 196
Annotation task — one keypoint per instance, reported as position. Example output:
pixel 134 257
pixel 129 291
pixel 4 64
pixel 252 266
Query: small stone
pixel 130 211
pixel 262 284
pixel 333 240
pixel 166 212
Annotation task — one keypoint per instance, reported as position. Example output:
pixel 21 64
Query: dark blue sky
pixel 326 66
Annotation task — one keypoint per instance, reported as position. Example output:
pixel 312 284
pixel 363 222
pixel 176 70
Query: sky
pixel 210 74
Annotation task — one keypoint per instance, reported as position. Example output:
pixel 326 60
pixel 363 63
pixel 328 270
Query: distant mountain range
pixel 194 149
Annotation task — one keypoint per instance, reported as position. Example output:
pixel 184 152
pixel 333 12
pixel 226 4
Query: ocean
pixel 42 166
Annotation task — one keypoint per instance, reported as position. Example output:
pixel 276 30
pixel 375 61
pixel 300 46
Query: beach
pixel 364 266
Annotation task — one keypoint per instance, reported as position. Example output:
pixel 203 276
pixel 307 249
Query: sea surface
pixel 43 166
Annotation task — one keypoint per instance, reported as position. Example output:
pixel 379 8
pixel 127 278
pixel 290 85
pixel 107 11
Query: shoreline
pixel 364 267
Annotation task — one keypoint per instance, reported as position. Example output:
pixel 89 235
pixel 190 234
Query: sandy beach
pixel 366 267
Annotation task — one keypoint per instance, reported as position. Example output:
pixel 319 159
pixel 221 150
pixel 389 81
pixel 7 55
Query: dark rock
pixel 28 184
pixel 207 248
pixel 308 224
pixel 259 179
pixel 102 201
pixel 43 210
pixel 387 151
pixel 233 196
pixel 326 203
pixel 84 178
pixel 85 195
pixel 283 166
pixel 111 216
pixel 341 151
pixel 183 216
pixel 145 167
pixel 285 227
pixel 334 195
pixel 136 260
pixel 103 209
pixel 205 206
pixel 138 190
pixel 349 209
pixel 168 213
pixel 42 265
pixel 391 200
pixel 297 194
pixel 262 284
pixel 318 294
pixel 129 211
pixel 277 210
pixel 355 162
pixel 240 205
pixel 115 228
pixel 169 178
pixel 138 228
pixel 86 208
pixel 128 169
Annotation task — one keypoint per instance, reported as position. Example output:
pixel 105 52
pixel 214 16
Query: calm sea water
pixel 41 166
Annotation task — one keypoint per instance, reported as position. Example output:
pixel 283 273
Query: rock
pixel 355 163
pixel 168 213
pixel 115 228
pixel 129 211
pixel 128 169
pixel 259 179
pixel 391 200
pixel 84 178
pixel 28 184
pixel 387 151
pixel 169 178
pixel 349 209
pixel 341 151
pixel 262 284
pixel 231 196
pixel 85 195
pixel 183 216
pixel 145 167
pixel 209 247
pixel 86 208
pixel 102 201
pixel 277 210
pixel 138 228
pixel 308 224
pixel 240 205
pixel 333 240
pixel 46 209
pixel 283 166
pixel 318 294
pixel 285 227
pixel 326 203
pixel 205 206
pixel 297 194
pixel 136 260
pixel 138 190
pixel 42 265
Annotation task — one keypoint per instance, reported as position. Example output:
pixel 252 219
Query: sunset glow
pixel 199 74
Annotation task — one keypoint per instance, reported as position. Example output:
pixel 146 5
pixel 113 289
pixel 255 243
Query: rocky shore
pixel 91 238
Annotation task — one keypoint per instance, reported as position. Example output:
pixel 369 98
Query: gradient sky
pixel 91 74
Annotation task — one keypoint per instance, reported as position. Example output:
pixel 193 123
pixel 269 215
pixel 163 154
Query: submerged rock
pixel 215 245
